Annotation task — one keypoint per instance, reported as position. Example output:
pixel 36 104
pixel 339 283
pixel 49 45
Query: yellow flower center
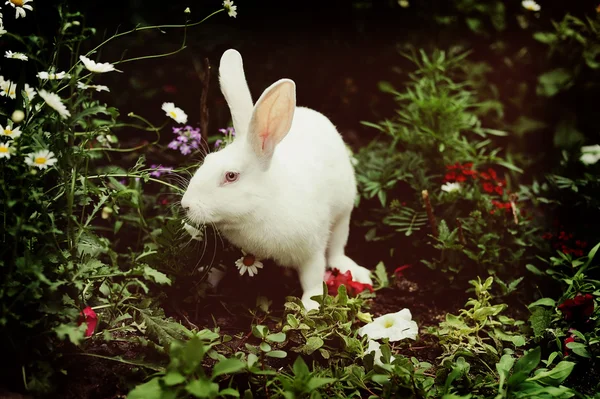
pixel 173 114
pixel 40 160
pixel 8 131
pixel 388 323
pixel 18 3
pixel 3 149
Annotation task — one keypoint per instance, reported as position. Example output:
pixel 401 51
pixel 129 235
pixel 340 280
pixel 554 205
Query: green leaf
pixel 545 37
pixel 503 366
pixel 156 276
pixel 76 334
pixel 203 388
pixel 228 366
pixel 300 368
pixel 555 376
pixel 579 349
pixel 162 329
pixel 317 382
pixel 265 347
pixel 229 392
pixel 278 337
pixel 312 344
pixel 540 320
pixel 173 378
pixel 552 82
pixel 278 354
pixel 534 270
pixel 543 302
pixel 529 362
pixel 381 275
pixel 148 390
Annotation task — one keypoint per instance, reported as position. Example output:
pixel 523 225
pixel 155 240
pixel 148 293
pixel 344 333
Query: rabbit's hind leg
pixel 336 257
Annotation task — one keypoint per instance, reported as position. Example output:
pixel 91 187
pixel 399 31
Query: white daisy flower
pixel 248 263
pixel 531 5
pixel 83 86
pixel 41 159
pixel 51 75
pixel 5 150
pixel 590 154
pixel 451 187
pixel 15 56
pixel 54 101
pixel 98 67
pixel 393 326
pixel 8 89
pixel 29 92
pixel 175 112
pixel 230 8
pixel 20 6
pixel 10 131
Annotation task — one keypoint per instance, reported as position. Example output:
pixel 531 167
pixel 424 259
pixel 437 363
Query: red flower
pixel 398 272
pixel 452 167
pixel 499 190
pixel 484 176
pixel 467 165
pixel 488 187
pixel 450 176
pixel 547 236
pixel 335 278
pixel 89 317
pixel 492 173
pixel 578 309
pixel 581 244
pixel 164 201
pixel 461 178
pixel 469 172
pixel 567 340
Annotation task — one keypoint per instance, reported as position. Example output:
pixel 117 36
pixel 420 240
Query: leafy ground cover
pixel 483 247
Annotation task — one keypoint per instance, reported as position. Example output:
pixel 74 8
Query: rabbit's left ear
pixel 272 117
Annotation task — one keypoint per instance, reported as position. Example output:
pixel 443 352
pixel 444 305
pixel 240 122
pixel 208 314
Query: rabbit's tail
pixel 236 91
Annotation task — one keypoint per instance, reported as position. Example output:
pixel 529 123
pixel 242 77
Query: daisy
pixel 248 263
pixel 451 187
pixel 54 101
pixel 10 131
pixel 230 8
pixel 51 75
pixel 15 56
pixel 393 326
pixel 20 6
pixel 530 5
pixel 42 159
pixel 28 93
pixel 99 67
pixel 174 112
pixel 5 150
pixel 8 89
pixel 83 86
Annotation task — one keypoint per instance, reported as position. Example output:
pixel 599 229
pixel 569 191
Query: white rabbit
pixel 284 189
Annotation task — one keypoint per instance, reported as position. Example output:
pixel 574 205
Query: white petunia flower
pixel 54 101
pixel 375 346
pixel 451 187
pixel 51 75
pixel 394 326
pixel 41 159
pixel 175 112
pixel 29 92
pixel 8 88
pixel 15 56
pixel 248 263
pixel 230 8
pixel 10 131
pixel 194 233
pixel 20 6
pixel 83 86
pixel 530 5
pixel 590 154
pixel 98 67
pixel 5 150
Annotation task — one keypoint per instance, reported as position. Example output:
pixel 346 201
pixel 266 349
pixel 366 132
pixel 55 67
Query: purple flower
pixel 177 130
pixel 185 149
pixel 218 143
pixel 159 170
pixel 174 144
pixel 182 138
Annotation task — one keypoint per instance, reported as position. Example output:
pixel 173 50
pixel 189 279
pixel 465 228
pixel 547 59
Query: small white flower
pixel 54 101
pixel 29 93
pixel 248 263
pixel 451 187
pixel 10 131
pixel 8 89
pixel 230 8
pixel 590 154
pixel 99 67
pixel 403 3
pixel 530 5
pixel 194 233
pixel 41 159
pixel 15 56
pixel 394 326
pixel 175 112
pixel 187 10
pixel 51 75
pixel 375 346
pixel 5 150
pixel 20 6
pixel 83 86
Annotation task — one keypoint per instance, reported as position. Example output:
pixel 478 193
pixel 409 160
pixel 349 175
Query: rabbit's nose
pixel 185 203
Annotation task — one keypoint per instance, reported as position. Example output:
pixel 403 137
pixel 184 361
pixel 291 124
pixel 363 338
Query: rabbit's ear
pixel 236 91
pixel 272 117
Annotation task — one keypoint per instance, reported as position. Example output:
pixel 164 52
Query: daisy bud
pixel 18 116
pixel 106 212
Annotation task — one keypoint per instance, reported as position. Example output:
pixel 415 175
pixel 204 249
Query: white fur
pixel 293 199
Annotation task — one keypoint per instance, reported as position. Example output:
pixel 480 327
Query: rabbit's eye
pixel 231 176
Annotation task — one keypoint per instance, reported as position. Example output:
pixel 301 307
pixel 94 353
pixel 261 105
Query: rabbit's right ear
pixel 236 91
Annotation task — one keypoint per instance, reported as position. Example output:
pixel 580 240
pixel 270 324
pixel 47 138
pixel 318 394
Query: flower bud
pixel 18 116
pixel 106 212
